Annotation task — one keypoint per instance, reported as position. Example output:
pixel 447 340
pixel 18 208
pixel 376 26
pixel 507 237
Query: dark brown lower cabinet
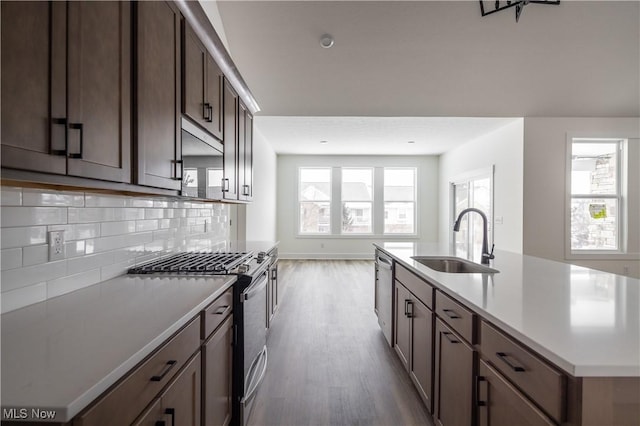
pixel 501 404
pixel 217 353
pixel 402 332
pixel 414 341
pixel 179 404
pixel 453 390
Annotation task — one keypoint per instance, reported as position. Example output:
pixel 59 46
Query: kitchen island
pixel 583 324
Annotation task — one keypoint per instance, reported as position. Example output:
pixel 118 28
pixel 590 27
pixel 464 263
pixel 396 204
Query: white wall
pixel 545 148
pixel 502 149
pixel 294 246
pixel 261 213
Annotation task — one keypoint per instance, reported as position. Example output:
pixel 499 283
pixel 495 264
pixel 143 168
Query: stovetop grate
pixel 193 262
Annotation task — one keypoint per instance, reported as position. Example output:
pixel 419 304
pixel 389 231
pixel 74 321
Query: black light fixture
pixel 499 5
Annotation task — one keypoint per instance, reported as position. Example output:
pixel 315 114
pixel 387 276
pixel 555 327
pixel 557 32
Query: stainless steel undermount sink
pixel 454 265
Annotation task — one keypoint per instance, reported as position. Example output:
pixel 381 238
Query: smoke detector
pixel 326 41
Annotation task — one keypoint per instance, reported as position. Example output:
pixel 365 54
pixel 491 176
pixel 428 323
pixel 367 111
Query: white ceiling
pixel 372 135
pixel 427 59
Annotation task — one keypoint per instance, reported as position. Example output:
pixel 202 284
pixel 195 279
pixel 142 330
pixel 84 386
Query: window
pixel 475 191
pixel 399 200
pixel 314 200
pixel 595 205
pixel 357 201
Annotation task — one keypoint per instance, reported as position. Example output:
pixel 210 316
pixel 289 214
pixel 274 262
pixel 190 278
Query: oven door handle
pixel 253 389
pixel 256 287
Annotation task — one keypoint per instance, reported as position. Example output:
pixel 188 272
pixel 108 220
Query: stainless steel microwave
pixel 202 163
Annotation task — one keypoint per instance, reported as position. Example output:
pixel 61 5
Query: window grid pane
pixel 314 201
pixel 357 217
pixel 399 200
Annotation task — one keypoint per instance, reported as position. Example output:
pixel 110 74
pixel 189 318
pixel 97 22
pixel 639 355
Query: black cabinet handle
pixel 274 274
pixel 78 126
pixel 451 313
pixel 63 122
pixel 408 304
pixel 245 189
pixel 210 119
pixel 160 423
pixel 172 413
pixel 177 165
pixel 221 310
pixel 225 185
pixel 504 358
pixel 449 337
pixel 479 380
pixel 205 111
pixel 170 364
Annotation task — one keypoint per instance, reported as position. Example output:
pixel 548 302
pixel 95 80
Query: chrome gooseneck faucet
pixel 486 256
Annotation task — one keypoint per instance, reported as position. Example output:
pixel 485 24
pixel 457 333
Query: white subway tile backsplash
pixel 25 236
pixel 153 213
pixel 129 214
pixel 70 283
pixel 11 258
pixel 30 216
pixel 37 197
pixel 146 225
pixel 141 203
pixel 106 201
pixel 15 299
pixel 22 277
pixel 105 235
pixel 112 271
pixel 90 214
pixel 75 249
pixel 117 228
pixel 35 255
pixel 86 263
pixel 11 196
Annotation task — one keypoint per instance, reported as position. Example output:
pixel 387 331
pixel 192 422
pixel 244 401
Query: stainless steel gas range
pixel 249 312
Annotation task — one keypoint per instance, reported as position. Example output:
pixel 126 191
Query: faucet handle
pixel 490 255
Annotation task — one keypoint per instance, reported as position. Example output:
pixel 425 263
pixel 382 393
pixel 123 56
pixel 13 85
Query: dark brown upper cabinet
pixel 202 84
pixel 230 143
pixel 245 153
pixel 66 88
pixel 158 70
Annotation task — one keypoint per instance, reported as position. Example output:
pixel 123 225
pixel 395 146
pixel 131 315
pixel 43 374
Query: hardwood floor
pixel 329 363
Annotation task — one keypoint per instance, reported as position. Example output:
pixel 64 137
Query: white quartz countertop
pixel 63 353
pixel 585 321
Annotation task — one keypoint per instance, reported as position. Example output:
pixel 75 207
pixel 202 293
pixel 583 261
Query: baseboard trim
pixel 326 256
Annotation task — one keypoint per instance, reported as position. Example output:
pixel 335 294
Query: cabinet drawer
pixel 419 287
pixel 542 383
pixel 461 319
pixel 499 403
pixel 124 402
pixel 216 312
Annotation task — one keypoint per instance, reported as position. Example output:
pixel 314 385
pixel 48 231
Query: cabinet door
pixel 181 401
pixel 99 91
pixel 454 378
pixel 246 156
pixel 193 78
pixel 213 96
pixel 501 404
pixel 422 351
pixel 402 339
pixel 230 143
pixel 217 363
pixel 34 86
pixel 158 95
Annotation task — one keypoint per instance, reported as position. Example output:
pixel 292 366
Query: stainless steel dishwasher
pixel 384 293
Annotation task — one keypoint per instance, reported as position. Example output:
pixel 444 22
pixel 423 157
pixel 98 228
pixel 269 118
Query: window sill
pixel 602 255
pixel 360 236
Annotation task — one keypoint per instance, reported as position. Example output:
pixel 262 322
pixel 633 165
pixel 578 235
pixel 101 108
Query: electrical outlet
pixel 56 245
pixel 321 245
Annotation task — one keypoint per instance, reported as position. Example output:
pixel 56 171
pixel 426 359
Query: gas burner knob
pixel 261 256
